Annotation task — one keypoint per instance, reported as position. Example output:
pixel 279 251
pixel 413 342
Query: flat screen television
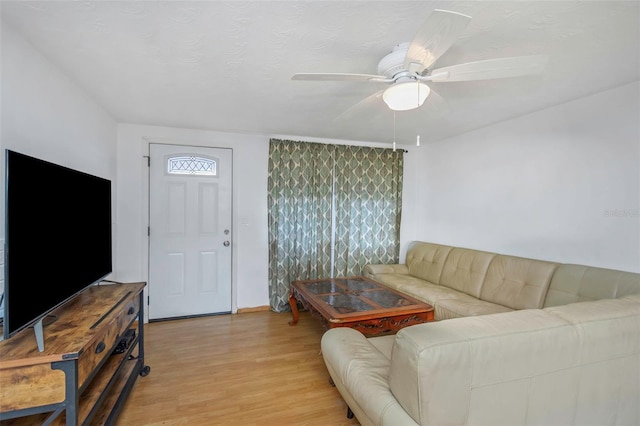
pixel 57 238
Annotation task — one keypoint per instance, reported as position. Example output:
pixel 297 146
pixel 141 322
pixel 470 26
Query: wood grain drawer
pixel 128 314
pixel 106 338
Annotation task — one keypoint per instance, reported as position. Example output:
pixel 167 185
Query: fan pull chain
pixel 394 131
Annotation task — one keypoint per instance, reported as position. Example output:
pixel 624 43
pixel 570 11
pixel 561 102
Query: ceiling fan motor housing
pixel 393 63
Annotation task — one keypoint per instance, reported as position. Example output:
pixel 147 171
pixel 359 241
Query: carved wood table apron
pixel 359 303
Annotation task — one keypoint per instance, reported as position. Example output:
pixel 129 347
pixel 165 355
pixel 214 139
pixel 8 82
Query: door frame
pixel 146 214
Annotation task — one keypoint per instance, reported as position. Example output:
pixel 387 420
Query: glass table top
pixel 347 295
pixel 387 299
pixel 340 285
pixel 358 284
pixel 321 287
pixel 346 303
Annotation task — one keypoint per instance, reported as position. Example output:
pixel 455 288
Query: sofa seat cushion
pixel 361 373
pixel 383 343
pixel 398 281
pixel 466 307
pixel 420 289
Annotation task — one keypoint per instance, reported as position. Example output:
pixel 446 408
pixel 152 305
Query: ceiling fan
pixel 407 67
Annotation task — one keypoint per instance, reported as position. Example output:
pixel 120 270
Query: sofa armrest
pixel 396 268
pixel 359 370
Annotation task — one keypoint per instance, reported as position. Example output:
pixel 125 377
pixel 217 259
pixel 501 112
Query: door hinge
pixel 147 300
pixel 148 160
pixel 148 231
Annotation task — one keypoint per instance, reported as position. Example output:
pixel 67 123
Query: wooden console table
pixel 78 379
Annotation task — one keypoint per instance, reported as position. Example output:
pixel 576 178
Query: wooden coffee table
pixel 359 303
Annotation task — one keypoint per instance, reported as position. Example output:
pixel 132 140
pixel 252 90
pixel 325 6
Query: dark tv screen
pixel 57 237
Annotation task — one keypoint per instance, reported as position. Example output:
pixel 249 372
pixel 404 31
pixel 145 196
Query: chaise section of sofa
pixel 574 364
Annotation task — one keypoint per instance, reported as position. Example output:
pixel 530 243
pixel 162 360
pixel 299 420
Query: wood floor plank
pixel 244 369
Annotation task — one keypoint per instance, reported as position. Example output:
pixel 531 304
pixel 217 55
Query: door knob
pixel 226 243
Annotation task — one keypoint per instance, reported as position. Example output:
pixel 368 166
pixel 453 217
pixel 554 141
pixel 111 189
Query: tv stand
pixel 78 378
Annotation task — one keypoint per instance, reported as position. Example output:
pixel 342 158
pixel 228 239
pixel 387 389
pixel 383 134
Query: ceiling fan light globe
pixel 406 95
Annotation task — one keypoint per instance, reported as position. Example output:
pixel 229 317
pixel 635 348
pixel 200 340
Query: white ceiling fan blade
pixel 433 38
pixel 373 112
pixel 367 106
pixel 374 104
pixel 339 77
pixel 492 68
pixel 434 105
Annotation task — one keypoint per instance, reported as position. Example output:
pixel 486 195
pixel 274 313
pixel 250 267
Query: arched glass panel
pixel 191 165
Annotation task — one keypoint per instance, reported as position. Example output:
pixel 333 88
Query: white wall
pixel 562 184
pixel 250 167
pixel 45 115
pixel 412 189
pixel 250 255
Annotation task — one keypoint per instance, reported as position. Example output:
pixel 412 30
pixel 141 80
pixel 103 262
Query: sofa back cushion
pixel 517 282
pixel 426 260
pixel 578 283
pixel 482 369
pixel 465 270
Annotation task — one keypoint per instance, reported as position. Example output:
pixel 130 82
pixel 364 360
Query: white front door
pixel 190 231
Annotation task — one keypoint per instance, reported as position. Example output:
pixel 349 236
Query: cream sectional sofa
pixel 516 341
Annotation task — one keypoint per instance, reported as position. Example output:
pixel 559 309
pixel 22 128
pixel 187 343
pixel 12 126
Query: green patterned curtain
pixel 368 207
pixel 299 197
pixel 311 187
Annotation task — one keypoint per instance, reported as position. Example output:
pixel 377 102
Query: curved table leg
pixel 293 303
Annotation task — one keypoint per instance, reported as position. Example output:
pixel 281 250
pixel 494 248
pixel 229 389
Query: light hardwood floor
pixel 243 369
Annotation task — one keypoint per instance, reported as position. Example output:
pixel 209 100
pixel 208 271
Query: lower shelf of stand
pixel 117 393
pixel 90 398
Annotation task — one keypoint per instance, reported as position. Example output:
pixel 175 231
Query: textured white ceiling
pixel 227 65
